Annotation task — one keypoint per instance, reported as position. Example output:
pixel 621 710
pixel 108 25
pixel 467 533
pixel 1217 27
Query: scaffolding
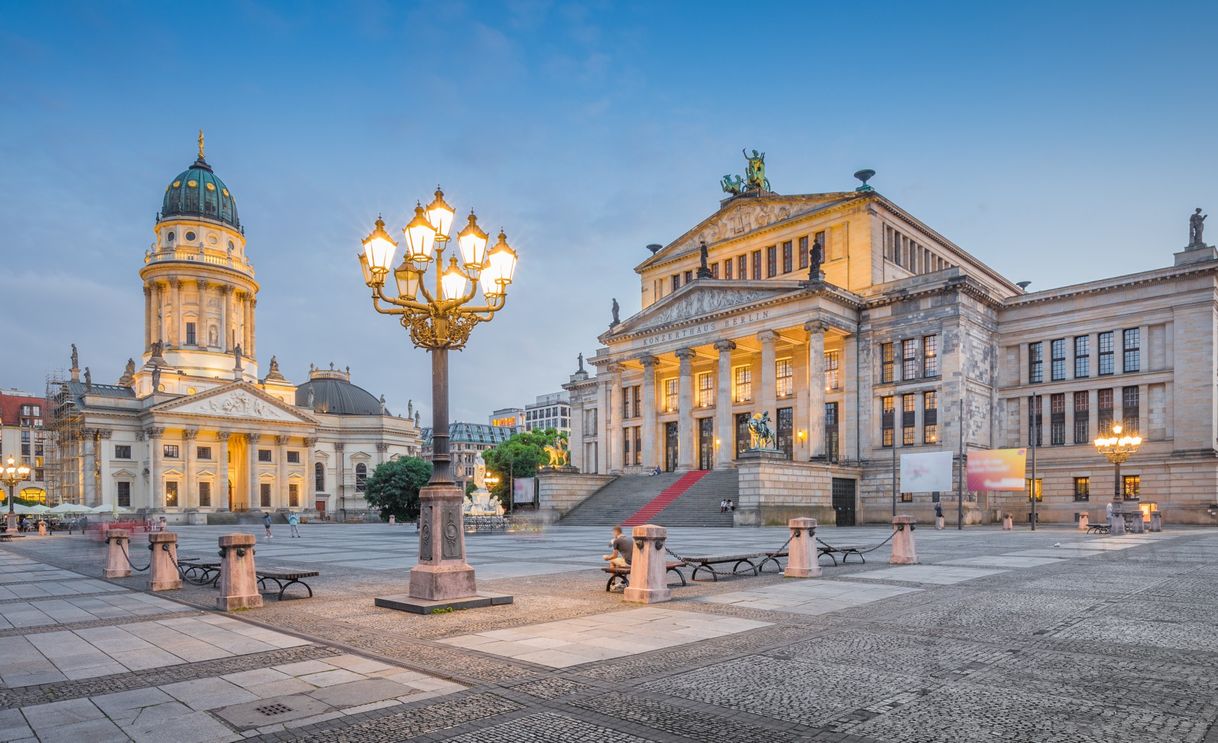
pixel 65 462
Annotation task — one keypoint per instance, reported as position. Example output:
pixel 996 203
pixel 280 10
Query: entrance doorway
pixel 843 500
pixel 706 443
pixel 671 442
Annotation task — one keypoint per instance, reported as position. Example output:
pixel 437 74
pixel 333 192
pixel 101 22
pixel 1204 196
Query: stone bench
pixel 284 578
pixel 619 576
pixel 1099 527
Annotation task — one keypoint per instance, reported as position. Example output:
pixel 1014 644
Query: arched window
pixel 361 477
pixel 319 477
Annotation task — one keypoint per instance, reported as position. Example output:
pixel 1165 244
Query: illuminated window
pixel 1131 486
pixel 671 394
pixel 887 419
pixel 1036 486
pixel 909 359
pixel 293 495
pixel 171 494
pixel 908 415
pixel 930 355
pixel 833 363
pixel 706 390
pixel 742 388
pixel 886 362
pixel 930 417
pixel 1082 488
pixel 785 379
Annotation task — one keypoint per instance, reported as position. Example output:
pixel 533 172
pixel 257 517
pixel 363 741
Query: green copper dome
pixel 197 192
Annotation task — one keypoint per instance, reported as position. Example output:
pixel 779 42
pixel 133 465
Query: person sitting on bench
pixel 623 549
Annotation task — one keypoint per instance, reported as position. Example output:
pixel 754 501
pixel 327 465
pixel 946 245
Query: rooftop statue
pixel 1196 225
pixel 616 312
pixel 76 358
pixel 754 179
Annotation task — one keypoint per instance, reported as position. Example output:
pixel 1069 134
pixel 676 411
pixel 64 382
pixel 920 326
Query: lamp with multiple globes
pixel 439 309
pixel 1117 449
pixel 13 474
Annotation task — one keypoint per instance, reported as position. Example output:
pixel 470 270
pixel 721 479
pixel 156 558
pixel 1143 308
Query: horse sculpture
pixel 754 174
pixel 761 436
pixel 558 452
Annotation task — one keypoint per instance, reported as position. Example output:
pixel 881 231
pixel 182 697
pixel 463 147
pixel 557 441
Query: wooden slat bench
pixel 8 536
pixel 844 551
pixel 1099 527
pixel 773 557
pixel 704 562
pixel 620 576
pixel 285 578
pixel 199 571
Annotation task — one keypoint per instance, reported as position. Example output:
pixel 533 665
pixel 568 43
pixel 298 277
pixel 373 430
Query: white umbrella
pixel 39 509
pixel 104 508
pixel 21 509
pixel 69 508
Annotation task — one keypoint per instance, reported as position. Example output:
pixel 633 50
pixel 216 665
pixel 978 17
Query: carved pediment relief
pixel 235 402
pixel 699 302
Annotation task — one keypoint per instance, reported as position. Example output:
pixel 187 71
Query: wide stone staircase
pixel 667 499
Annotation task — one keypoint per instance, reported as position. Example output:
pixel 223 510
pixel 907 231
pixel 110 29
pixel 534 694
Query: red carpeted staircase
pixel 666 497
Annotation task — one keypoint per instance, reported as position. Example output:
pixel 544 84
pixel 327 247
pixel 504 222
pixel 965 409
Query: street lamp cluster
pixel 1118 449
pixel 13 474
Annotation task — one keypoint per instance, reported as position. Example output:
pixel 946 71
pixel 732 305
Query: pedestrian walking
pixel 939 515
pixel 266 524
pixel 723 505
pixel 294 522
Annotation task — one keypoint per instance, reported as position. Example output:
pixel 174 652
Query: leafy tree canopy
pixel 394 487
pixel 519 456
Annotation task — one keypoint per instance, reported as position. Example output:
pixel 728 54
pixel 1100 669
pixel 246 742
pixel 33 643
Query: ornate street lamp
pixel 13 474
pixel 439 311
pixel 1117 449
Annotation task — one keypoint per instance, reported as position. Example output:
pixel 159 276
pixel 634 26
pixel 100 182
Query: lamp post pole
pixel 13 475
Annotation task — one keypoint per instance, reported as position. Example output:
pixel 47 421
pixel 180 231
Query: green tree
pixel 519 456
pixel 394 487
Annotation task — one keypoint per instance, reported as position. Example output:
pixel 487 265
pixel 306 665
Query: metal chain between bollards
pixel 863 552
pixel 127 555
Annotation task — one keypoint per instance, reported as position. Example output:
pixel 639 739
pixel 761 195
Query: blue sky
pixel 1059 142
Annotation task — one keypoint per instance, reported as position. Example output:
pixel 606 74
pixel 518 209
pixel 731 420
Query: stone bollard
pixel 648 583
pixel 117 565
pixel 238 583
pixel 42 528
pixel 939 523
pixel 163 561
pixel 1083 522
pixel 1156 521
pixel 903 551
pixel 1008 523
pixel 802 560
pixel 1116 525
pixel 1136 524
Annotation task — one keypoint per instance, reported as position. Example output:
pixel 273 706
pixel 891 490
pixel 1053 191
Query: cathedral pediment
pixel 696 302
pixel 237 400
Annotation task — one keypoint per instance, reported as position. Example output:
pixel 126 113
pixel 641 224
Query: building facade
pixel 194 428
pixel 23 436
pixel 512 418
pixel 465 442
pixel 552 410
pixel 863 334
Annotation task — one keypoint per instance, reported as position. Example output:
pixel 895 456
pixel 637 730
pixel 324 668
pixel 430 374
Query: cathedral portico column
pixel 309 493
pixel 281 476
pixel 816 389
pixel 188 498
pixel 253 328
pixel 156 494
pixel 648 439
pixel 602 425
pixel 90 480
pixel 769 382
pixel 617 459
pixel 726 453
pixel 226 314
pixel 222 481
pixel 253 492
pixel 685 410
pixel 147 317
pixel 102 450
pixel 175 333
pixel 204 320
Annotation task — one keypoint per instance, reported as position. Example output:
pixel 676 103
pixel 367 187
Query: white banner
pixel 524 489
pixel 926 473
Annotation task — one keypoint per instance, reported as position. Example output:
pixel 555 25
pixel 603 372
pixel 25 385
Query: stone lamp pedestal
pixel 802 560
pixel 903 550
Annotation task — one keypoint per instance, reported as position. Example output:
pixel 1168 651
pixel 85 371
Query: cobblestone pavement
pixel 1006 636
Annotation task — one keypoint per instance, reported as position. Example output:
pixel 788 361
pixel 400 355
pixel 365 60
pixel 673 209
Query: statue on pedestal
pixel 761 436
pixel 76 357
pixel 1196 225
pixel 816 256
pixel 616 311
pixel 580 370
pixel 704 271
pixel 88 380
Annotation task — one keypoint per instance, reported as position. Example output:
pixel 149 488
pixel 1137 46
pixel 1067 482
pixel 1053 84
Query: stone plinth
pixel 42 528
pixel 117 543
pixel 1116 524
pixel 1156 521
pixel 903 550
pixel 802 559
pixel 648 584
pixel 163 563
pixel 1007 523
pixel 238 582
pixel 1083 521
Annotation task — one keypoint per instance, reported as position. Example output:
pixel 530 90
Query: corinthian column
pixel 685 411
pixel 204 321
pixel 768 398
pixel 616 395
pixel 724 424
pixel 816 389
pixel 189 487
pixel 147 317
pixel 648 438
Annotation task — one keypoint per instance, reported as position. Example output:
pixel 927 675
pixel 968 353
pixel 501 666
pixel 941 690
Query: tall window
pixel 742 267
pixel 1131 486
pixel 1106 360
pixel 1082 417
pixel 1082 488
pixel 787 266
pixel 319 477
pixel 771 261
pixel 264 494
pixel 1035 487
pixel 1036 362
pixel 361 477
pixel 886 362
pixel 727 269
pixel 1057 358
pixel 1132 356
pixel 1082 356
pixel 887 415
pixel 930 355
pixel 1035 420
pixel 742 387
pixel 676 281
pixel 831 427
pixel 757 264
pixel 627 451
pixel 630 401
pixel 784 378
pixel 1129 410
pixel 671 394
pixel 909 407
pixel 170 451
pixel 1057 419
pixel 293 495
pixel 124 494
pixel 803 252
pixel 190 334
pixel 204 494
pixel 833 363
pixel 706 390
pixel 930 417
pixel 909 359
pixel 638 444
pixel 171 494
pixel 1104 416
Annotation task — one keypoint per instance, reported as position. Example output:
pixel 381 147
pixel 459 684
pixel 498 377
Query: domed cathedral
pixel 194 433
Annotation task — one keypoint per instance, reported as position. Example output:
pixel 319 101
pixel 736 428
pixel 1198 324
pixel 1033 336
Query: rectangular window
pixel 930 355
pixel 784 378
pixel 714 270
pixel 742 267
pixel 170 451
pixel 124 494
pixel 1082 416
pixel 706 390
pixel 1057 419
pixel 293 495
pixel 626 402
pixel 1104 417
pixel 264 455
pixel 771 261
pixel 293 457
pixel 122 451
pixel 727 269
pixel 1057 359
pixel 756 264
pixel 1129 411
pixel 803 252
pixel 676 281
pixel 742 384
pixel 688 277
pixel 886 363
pixel 1082 488
pixel 190 334
pixel 787 266
pixel 909 407
pixel 264 494
pixel 627 440
pixel 1036 362
pixel 203 453
pixel 204 494
pixel 833 363
pixel 171 494
pixel 831 428
pixel 930 417
pixel 887 416
pixel 1082 356
pixel 1132 356
pixel 636 399
pixel 1035 420
pixel 1106 359
pixel 671 394
pixel 638 444
pixel 1131 486
pixel 1036 486
pixel 909 359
